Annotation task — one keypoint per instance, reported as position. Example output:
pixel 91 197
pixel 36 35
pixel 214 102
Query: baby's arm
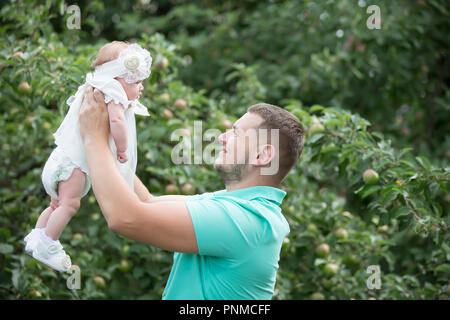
pixel 118 128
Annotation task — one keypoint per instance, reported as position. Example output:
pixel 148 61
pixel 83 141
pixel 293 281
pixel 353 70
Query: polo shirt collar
pixel 270 193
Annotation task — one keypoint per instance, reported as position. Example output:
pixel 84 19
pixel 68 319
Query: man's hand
pixel 93 116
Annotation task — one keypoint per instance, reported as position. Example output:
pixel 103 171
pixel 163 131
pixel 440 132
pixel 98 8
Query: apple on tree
pixel 370 176
pixel 100 282
pixel 167 114
pixel 165 97
pixel 330 269
pixel 171 189
pixel 322 250
pixel 341 233
pixel 180 103
pixel 24 87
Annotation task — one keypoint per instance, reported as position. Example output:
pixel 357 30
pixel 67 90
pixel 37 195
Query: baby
pixel 120 68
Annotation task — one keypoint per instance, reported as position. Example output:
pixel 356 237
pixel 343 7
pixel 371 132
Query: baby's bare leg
pixel 45 215
pixel 69 193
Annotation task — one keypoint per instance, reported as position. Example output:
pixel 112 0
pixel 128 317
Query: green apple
pixel 171 189
pixel 312 227
pixel 165 97
pixel 77 236
pixel 317 296
pixel 162 63
pixel 95 216
pixel 187 188
pixel 290 209
pixel 226 124
pixel 327 284
pixel 370 176
pixel 347 214
pixel 180 103
pixel 350 260
pixel 341 233
pixel 125 266
pixel 330 269
pixel 316 128
pixel 24 87
pixel 167 114
pixel 322 250
pixel 35 293
pixel 100 282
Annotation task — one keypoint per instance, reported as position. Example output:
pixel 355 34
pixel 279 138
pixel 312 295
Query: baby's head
pixel 110 52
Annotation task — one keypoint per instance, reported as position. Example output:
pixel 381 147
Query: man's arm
pixel 141 191
pixel 145 196
pixel 164 224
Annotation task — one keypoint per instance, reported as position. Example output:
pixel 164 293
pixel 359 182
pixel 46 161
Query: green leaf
pixel 316 107
pixel 6 248
pixel 443 268
pixel 434 188
pixel 315 137
pixel 408 163
pixel 15 278
pixel 400 211
pixel 319 262
pixel 369 191
pixel 423 163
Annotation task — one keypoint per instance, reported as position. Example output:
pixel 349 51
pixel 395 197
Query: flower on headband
pixel 136 62
pixel 131 63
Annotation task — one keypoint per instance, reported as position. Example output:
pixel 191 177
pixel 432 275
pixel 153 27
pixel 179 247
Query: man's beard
pixel 231 173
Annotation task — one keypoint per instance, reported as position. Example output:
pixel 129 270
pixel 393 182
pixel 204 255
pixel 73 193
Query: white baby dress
pixel 70 152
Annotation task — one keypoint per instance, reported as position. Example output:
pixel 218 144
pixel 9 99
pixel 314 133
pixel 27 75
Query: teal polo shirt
pixel 239 236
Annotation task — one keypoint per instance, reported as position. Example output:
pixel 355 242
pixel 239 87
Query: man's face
pixel 239 145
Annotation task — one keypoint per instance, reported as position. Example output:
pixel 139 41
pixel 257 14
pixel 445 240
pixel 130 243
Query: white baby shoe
pixel 32 239
pixel 52 255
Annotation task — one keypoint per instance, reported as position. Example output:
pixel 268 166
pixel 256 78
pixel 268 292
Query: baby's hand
pixel 122 157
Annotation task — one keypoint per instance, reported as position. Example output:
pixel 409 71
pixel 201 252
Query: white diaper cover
pixel 59 167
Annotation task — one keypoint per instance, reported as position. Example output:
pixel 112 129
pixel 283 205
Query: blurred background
pixel 211 61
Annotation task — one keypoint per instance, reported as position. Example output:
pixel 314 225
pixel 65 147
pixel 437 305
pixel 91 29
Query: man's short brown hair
pixel 291 133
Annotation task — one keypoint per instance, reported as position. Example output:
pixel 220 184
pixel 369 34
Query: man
pixel 226 243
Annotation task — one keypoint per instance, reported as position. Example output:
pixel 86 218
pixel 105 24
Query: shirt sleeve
pixel 222 228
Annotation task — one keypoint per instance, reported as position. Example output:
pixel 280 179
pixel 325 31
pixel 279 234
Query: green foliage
pixel 222 59
pixel 400 223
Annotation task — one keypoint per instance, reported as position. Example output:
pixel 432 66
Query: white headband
pixel 133 64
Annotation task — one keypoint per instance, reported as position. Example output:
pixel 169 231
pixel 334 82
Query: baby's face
pixel 133 90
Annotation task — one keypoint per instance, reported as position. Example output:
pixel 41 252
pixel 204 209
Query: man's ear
pixel 265 155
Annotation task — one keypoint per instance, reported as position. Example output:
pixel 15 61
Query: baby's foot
pixel 122 157
pixel 32 239
pixel 52 255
